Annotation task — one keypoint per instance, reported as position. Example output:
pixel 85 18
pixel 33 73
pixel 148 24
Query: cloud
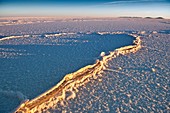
pixel 134 1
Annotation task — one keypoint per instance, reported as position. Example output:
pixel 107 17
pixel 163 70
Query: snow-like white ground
pixel 136 82
pixel 117 24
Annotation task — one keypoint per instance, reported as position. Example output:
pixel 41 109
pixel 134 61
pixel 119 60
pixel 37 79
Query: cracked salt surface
pixel 131 83
pixel 48 60
pixel 134 82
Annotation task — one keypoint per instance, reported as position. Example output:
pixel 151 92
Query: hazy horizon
pixel 85 8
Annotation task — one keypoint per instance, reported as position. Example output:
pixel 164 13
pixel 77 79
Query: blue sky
pixel 85 8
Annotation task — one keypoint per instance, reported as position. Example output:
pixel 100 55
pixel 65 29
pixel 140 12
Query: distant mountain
pixel 154 18
pixel 159 18
pixel 148 17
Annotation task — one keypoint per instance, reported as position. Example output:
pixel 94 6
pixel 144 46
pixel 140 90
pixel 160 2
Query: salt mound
pixel 102 54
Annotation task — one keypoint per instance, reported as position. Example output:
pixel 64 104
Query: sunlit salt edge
pixel 27 36
pixel 72 81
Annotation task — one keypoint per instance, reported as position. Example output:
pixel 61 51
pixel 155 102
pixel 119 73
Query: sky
pixel 86 8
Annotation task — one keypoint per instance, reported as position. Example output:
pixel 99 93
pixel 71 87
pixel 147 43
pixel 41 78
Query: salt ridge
pixel 72 81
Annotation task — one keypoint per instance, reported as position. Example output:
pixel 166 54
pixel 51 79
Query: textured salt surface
pixel 131 83
pixel 33 64
pixel 66 89
pixel 136 82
